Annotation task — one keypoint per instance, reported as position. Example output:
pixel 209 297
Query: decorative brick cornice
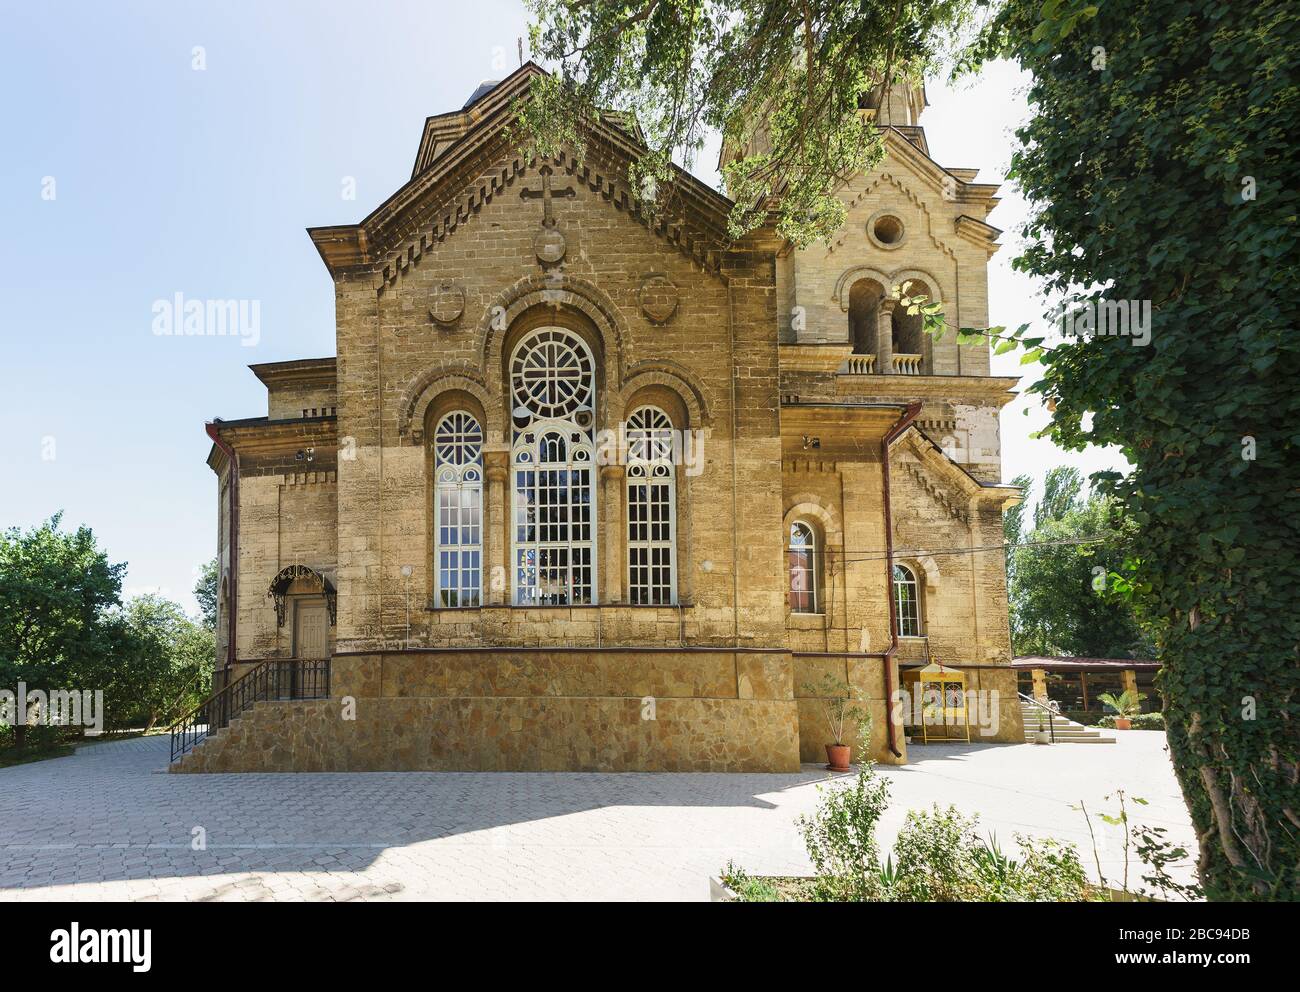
pixel 698 243
pixel 941 498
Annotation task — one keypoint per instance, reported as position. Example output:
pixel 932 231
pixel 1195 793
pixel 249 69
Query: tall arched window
pixel 651 508
pixel 907 602
pixel 802 557
pixel 458 505
pixel 553 389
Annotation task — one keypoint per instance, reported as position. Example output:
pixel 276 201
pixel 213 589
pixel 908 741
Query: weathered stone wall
pixel 865 678
pixel 293 400
pixel 284 520
pixel 432 332
pixel 531 711
pixel 395 361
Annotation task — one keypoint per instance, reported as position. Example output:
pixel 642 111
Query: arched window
pixel 907 602
pixel 553 389
pixel 864 315
pixel 458 506
pixel 802 557
pixel 651 508
pixel 909 328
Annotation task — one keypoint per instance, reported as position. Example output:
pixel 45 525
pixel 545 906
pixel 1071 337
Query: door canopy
pixel 279 590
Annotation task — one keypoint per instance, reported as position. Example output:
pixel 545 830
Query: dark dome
pixel 484 88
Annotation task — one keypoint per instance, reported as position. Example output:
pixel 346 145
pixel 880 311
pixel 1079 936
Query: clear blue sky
pixel 169 180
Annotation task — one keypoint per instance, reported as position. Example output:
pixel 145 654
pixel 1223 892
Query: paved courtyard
pixel 109 823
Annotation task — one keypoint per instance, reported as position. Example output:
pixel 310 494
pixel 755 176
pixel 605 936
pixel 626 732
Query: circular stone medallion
pixel 549 245
pixel 658 297
pixel 448 303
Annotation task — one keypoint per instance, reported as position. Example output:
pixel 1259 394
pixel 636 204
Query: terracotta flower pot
pixel 838 757
pixel 1123 723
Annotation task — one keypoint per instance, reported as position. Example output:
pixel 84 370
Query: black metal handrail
pixel 278 679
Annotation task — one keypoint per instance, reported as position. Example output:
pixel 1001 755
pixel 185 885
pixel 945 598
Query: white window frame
pixel 810 569
pixel 457 492
pixel 911 626
pixel 553 391
pixel 649 468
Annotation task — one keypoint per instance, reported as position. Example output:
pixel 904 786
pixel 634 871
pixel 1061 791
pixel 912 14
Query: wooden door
pixel 310 634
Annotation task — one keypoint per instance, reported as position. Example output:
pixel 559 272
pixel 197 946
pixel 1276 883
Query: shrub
pixel 841 837
pixel 1143 721
pixel 746 887
pixel 1050 871
pixel 940 858
pixel 935 857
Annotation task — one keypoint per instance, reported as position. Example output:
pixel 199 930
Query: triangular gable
pixel 453 188
pixel 946 480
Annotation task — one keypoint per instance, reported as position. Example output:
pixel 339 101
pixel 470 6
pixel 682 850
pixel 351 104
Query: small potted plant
pixel 1042 737
pixel 836 699
pixel 1126 705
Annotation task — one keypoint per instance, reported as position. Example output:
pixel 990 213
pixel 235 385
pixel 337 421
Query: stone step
pixel 1062 730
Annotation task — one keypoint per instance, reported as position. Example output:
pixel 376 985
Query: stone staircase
pixel 1064 731
pixel 267 703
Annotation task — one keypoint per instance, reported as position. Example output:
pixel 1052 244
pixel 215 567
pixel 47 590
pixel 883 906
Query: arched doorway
pixel 306 601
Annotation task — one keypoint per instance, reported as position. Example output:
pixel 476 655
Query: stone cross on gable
pixel 545 193
pixel 549 243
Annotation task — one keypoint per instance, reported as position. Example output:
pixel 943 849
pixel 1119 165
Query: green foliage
pixel 205 591
pixel 63 627
pixel 1013 523
pixel 163 666
pixel 1159 164
pixel 1059 588
pixel 55 590
pixel 1150 845
pixel 780 81
pixel 1139 721
pixel 941 858
pixel 1128 703
pixel 937 857
pixel 839 704
pixel 841 837
pixel 1153 847
pixel 746 887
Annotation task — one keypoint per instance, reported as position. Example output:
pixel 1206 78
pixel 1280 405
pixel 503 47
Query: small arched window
pixel 651 508
pixel 458 510
pixel 802 558
pixel 907 602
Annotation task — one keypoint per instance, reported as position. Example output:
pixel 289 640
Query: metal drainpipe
pixel 232 597
pixel 905 421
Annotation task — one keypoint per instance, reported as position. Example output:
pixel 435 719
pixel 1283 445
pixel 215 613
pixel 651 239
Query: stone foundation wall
pixel 526 711
pixel 865 677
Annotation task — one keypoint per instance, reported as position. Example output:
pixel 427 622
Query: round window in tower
pixel 886 230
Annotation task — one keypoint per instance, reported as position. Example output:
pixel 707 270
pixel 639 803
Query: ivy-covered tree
pixel 1160 163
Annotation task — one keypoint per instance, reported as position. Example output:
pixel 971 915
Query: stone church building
pixel 585 488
